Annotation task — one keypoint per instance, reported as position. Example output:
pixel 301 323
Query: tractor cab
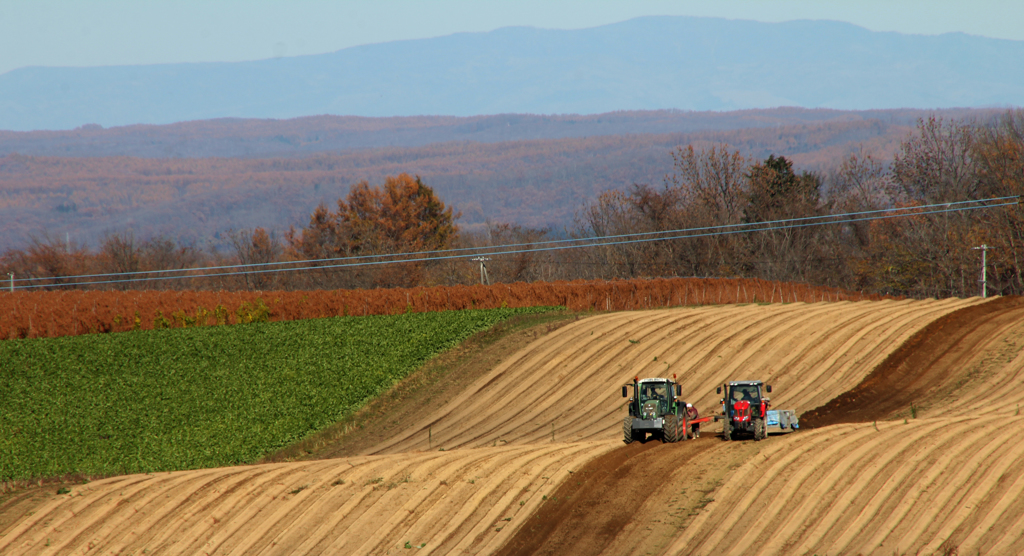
pixel 747 392
pixel 654 397
pixel 651 397
pixel 743 401
pixel 746 411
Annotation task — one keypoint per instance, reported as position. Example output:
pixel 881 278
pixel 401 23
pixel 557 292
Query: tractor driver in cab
pixel 655 394
pixel 745 393
pixel 647 393
pixel 652 392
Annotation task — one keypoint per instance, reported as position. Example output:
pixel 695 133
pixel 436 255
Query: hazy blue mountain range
pixel 643 64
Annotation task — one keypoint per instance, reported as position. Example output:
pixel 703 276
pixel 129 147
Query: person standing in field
pixel 693 414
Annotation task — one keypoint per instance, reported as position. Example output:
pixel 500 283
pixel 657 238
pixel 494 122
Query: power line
pixel 767 224
pixel 904 212
pixel 553 245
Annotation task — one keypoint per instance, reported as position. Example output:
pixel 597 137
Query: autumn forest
pixel 326 211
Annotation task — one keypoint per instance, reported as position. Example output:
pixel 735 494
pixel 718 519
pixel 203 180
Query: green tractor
pixel 654 409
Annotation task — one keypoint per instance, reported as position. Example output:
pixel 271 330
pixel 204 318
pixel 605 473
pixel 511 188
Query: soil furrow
pixel 896 481
pixel 966 467
pixel 996 501
pixel 759 485
pixel 831 496
pixel 900 321
pixel 922 488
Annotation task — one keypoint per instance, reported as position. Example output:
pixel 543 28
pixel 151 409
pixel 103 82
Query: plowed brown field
pixel 885 488
pixel 950 365
pixel 566 387
pixel 461 501
pixel 546 423
pixel 948 482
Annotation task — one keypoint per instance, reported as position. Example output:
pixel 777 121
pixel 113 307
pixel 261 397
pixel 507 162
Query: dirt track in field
pixel 506 484
pixel 592 508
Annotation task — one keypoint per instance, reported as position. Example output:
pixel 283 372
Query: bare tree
pixel 256 248
pixel 710 185
pixel 999 154
pixel 705 191
pixel 119 254
pixel 51 260
pixel 516 267
pixel 937 165
pixel 861 183
pixel 616 213
pixel 163 253
pixel 712 179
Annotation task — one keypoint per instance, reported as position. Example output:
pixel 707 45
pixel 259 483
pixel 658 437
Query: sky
pixel 130 32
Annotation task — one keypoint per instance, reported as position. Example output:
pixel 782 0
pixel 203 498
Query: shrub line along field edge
pixel 74 312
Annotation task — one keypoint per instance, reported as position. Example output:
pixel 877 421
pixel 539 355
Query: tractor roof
pixel 745 383
pixel 657 380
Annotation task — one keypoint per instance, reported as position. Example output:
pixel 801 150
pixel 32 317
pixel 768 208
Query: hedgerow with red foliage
pixel 69 313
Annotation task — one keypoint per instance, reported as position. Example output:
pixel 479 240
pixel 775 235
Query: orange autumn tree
pixel 401 216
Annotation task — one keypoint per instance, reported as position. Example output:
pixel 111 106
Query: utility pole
pixel 984 276
pixel 483 270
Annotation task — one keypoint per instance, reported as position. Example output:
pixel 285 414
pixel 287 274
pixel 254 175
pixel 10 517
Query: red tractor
pixel 745 411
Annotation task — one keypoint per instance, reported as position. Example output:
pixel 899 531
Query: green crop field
pixel 203 397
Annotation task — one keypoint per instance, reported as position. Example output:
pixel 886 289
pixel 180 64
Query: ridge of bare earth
pixel 922 365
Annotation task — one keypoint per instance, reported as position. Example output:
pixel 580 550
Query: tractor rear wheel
pixel 760 432
pixel 726 431
pixel 627 430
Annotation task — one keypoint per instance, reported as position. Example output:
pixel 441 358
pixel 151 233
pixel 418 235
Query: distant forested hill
pixel 536 183
pixel 231 137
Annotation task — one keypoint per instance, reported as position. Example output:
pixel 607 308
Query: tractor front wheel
pixel 760 432
pixel 627 430
pixel 673 430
